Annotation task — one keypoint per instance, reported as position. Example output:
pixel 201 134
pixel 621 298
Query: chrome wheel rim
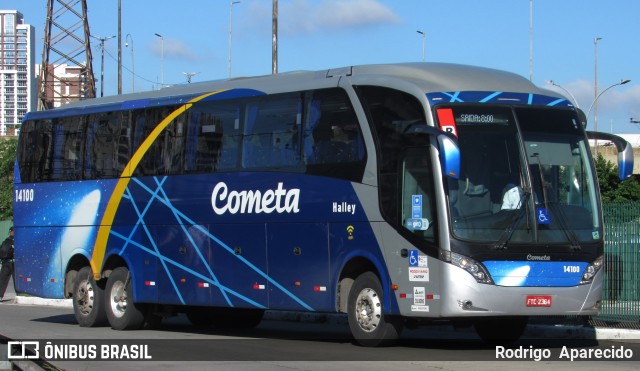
pixel 85 296
pixel 118 299
pixel 368 310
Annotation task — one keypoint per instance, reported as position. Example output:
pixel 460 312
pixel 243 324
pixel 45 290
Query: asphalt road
pixel 306 344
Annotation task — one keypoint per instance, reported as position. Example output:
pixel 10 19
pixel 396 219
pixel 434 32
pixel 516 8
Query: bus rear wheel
pixel 88 300
pixel 369 326
pixel 122 313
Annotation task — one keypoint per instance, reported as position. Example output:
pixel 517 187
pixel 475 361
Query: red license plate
pixel 539 300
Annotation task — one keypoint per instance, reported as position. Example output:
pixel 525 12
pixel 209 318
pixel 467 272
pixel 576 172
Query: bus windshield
pixel 525 177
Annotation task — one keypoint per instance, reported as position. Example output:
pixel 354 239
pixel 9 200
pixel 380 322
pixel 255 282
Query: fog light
pixel 465 304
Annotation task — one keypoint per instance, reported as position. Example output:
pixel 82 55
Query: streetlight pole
pixel 424 37
pixel 102 40
pixel 133 68
pixel 161 59
pixel 595 89
pixel 231 2
pixel 575 101
pixel 595 102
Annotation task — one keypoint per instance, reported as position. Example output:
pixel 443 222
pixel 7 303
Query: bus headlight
pixel 591 270
pixel 474 268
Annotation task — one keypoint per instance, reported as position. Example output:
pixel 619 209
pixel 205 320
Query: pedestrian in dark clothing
pixel 6 258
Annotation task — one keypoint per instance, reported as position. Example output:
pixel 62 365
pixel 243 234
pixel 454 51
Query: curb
pixel 32 300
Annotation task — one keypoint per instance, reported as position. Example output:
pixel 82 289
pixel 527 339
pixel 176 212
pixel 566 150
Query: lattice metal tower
pixel 66 73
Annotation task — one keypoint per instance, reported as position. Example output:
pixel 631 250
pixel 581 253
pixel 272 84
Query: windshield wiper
pixel 513 222
pixel 562 220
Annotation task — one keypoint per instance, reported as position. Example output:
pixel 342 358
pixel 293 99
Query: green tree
pixel 7 160
pixel 612 189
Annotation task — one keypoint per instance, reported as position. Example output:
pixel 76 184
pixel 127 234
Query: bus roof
pixel 429 77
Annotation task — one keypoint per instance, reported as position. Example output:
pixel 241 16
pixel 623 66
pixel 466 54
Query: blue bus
pixel 397 194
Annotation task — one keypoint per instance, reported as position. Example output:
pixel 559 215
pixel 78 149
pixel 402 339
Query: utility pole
pixel 531 40
pixel 119 47
pixel 231 3
pixel 102 40
pixel 274 40
pixel 66 40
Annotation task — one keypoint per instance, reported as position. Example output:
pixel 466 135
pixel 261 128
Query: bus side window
pixel 271 132
pixel 213 137
pixel 417 194
pixel 333 144
pixel 34 151
pixel 174 146
pixel 67 148
pixel 158 160
pixel 107 146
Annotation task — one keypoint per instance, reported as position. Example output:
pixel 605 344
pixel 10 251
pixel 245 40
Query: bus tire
pixel 88 300
pixel 501 330
pixel 367 322
pixel 122 313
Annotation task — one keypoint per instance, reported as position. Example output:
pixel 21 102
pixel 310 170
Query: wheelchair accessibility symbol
pixel 543 216
pixel 413 258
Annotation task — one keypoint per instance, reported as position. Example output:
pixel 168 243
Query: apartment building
pixel 18 84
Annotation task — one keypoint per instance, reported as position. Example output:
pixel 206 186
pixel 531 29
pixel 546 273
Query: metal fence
pixel 621 297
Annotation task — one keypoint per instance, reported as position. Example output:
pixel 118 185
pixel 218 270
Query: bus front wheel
pixel 122 313
pixel 369 326
pixel 88 300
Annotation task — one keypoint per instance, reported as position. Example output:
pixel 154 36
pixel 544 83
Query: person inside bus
pixel 334 144
pixel 512 197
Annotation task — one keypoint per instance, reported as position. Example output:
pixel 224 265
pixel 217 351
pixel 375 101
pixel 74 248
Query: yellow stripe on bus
pixel 100 246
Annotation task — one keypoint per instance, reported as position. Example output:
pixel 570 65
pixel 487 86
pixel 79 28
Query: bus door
pixel 298 258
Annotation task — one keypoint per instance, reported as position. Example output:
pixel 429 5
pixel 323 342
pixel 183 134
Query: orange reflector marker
pixel 52 280
pixel 394 287
pixel 297 283
pixel 183 280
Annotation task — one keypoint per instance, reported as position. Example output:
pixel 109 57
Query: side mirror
pixel 625 152
pixel 448 147
pixel 449 156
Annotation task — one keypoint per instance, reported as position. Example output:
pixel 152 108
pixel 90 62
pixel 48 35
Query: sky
pixel 321 34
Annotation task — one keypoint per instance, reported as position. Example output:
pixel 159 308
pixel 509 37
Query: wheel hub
pixel 119 302
pixel 85 297
pixel 368 310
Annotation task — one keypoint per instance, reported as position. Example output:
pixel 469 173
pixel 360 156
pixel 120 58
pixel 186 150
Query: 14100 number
pixel 24 195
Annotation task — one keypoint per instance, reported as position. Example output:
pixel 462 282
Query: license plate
pixel 539 300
